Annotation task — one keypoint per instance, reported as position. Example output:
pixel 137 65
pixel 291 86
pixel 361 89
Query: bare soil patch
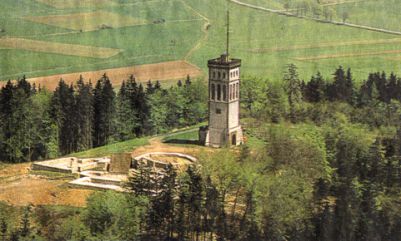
pixel 58 48
pixel 160 71
pixel 347 55
pixel 88 21
pixel 19 188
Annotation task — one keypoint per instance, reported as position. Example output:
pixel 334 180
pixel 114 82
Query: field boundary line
pixel 326 45
pixel 283 12
pixel 204 30
pixel 346 55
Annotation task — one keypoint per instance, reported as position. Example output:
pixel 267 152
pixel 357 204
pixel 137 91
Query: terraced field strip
pixel 87 21
pixel 327 45
pixel 63 4
pixel 161 71
pixel 58 48
pixel 347 55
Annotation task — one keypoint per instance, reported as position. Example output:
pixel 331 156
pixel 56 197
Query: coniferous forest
pixel 37 124
pixel 322 160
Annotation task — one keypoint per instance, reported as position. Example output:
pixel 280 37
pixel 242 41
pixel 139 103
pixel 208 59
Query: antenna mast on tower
pixel 228 33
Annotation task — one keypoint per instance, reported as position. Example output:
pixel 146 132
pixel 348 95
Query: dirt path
pixel 204 30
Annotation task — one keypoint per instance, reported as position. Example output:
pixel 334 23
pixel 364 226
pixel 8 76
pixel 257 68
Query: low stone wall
pixel 173 154
pixel 85 182
pixel 43 167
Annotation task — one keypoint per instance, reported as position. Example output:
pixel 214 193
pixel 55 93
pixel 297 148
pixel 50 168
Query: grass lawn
pixel 186 137
pixel 119 147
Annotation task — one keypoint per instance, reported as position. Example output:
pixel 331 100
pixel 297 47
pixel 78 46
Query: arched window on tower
pixel 213 90
pixel 224 75
pixel 224 92
pixel 231 92
pixel 218 75
pixel 218 92
pixel 237 91
pixel 234 90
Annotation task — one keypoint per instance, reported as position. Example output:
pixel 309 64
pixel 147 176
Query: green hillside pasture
pixel 88 21
pixel 259 30
pixel 63 4
pixel 58 48
pixel 140 45
pixel 156 42
pixel 270 4
pixel 379 14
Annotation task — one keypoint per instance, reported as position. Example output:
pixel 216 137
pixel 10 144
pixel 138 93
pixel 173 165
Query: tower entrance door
pixel 234 139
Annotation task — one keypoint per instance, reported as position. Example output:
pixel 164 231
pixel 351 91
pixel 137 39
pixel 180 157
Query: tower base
pixel 220 138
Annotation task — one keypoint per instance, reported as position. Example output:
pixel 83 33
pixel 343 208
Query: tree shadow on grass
pixel 183 142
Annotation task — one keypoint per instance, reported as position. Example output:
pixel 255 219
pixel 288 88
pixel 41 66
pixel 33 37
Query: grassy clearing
pixel 87 21
pixel 187 137
pixel 119 147
pixel 58 48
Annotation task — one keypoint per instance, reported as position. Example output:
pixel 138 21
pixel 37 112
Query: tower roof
pixel 224 61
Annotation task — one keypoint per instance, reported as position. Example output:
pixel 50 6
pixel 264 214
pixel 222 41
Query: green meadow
pixel 194 30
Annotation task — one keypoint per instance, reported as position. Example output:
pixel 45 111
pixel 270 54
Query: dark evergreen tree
pixel 104 112
pixel 342 88
pixel 63 112
pixel 315 89
pixel 127 118
pixel 211 208
pixel 149 88
pixel 195 201
pixel 140 183
pixel 17 134
pixel 323 223
pixel 292 86
pixel 3 229
pixel 25 228
pixel 248 227
pixel 392 88
pixel 85 114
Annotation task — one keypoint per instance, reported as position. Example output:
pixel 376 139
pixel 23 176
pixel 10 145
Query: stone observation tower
pixel 224 127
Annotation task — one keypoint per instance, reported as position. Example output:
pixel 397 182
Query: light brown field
pixel 347 55
pixel 87 21
pixel 327 45
pixel 160 71
pixel 61 4
pixel 19 188
pixel 58 48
